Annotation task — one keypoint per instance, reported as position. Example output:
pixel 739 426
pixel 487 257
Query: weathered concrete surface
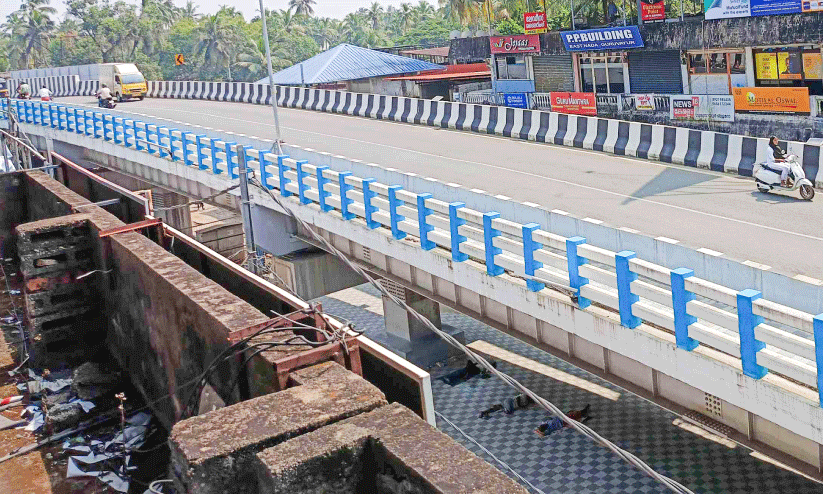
pixel 389 450
pixel 214 452
pixel 14 205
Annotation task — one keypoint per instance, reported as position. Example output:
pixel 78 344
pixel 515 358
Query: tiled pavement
pixel 566 461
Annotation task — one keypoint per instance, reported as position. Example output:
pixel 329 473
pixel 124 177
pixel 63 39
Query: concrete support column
pixel 410 338
pixel 178 218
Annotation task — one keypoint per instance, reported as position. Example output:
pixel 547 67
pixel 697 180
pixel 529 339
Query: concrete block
pixel 213 453
pixel 388 450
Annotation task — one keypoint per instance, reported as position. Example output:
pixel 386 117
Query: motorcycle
pixel 105 103
pixel 767 178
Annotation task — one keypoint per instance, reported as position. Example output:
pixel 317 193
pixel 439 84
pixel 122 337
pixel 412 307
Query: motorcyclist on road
pixel 24 90
pixel 104 97
pixel 777 160
pixel 45 94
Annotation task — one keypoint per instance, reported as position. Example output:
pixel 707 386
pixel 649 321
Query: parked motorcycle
pixel 767 178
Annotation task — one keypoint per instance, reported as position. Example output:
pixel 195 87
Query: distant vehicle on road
pixel 4 88
pixel 124 79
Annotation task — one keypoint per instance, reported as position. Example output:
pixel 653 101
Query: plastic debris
pixel 99 457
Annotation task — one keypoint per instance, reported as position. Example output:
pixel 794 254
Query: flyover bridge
pixel 682 324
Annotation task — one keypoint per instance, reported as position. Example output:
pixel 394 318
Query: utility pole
pixel 494 63
pixel 245 207
pixel 273 89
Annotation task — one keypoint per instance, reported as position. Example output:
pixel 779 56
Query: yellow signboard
pixel 812 66
pixel 179 60
pixel 789 65
pixel 765 66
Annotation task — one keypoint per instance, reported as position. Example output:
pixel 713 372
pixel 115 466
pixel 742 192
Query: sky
pixel 324 8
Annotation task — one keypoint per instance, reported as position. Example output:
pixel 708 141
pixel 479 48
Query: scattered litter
pixel 11 399
pixel 8 320
pixel 103 453
pixel 55 383
pixel 14 292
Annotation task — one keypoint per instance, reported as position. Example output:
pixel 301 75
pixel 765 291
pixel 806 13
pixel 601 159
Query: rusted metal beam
pixel 286 320
pixel 132 227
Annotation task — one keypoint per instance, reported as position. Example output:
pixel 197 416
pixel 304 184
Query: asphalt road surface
pixel 699 208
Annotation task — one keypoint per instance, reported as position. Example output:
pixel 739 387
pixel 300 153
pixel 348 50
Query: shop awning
pixel 452 72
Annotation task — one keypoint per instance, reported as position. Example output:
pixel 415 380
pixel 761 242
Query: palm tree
pixel 215 41
pixel 302 7
pixel 30 29
pixel 405 16
pixel 190 11
pixel 375 15
pixel 423 10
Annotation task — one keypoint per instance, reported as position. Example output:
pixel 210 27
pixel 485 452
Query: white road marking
pixel 668 240
pixel 534 175
pixel 757 265
pixel 808 279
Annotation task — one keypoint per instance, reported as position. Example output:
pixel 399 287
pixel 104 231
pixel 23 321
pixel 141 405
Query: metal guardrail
pixel 765 336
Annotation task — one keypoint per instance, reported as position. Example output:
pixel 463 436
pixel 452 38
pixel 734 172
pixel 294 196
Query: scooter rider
pixel 777 160
pixel 104 97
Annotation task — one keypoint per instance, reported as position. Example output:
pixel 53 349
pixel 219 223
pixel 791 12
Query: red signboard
pixel 535 22
pixel 653 10
pixel 577 103
pixel 521 43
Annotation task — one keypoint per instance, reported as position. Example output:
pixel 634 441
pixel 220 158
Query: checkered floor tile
pixel 566 461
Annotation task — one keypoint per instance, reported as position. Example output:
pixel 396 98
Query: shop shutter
pixel 553 73
pixel 655 72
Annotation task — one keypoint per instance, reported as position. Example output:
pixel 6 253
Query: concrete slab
pixel 213 453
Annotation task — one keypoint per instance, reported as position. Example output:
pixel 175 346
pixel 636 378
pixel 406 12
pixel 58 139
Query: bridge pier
pixel 178 218
pixel 409 337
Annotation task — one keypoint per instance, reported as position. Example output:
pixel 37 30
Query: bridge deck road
pixel 699 208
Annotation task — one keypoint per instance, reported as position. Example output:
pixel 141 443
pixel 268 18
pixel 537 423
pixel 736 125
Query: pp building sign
pixel 611 38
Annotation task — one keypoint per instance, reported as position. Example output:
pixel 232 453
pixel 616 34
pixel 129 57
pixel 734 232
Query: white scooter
pixel 768 178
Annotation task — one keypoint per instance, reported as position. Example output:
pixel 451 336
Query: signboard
pixel 516 100
pixel 521 43
pixel 179 59
pixel 653 10
pixel 723 9
pixel 702 107
pixel 535 22
pixel 610 38
pixel 772 99
pixel 765 66
pixel 812 65
pixel 644 102
pixel 577 103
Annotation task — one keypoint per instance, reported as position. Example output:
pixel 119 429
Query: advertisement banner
pixel 703 107
pixel 789 65
pixel 535 22
pixel 653 10
pixel 515 100
pixel 765 66
pixel 610 38
pixel 812 65
pixel 521 43
pixel 722 9
pixel 577 103
pixel 772 99
pixel 644 102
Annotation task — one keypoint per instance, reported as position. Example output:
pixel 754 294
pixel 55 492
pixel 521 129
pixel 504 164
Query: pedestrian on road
pixel 557 423
pixel 45 94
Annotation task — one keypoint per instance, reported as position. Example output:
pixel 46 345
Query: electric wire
pixel 483 448
pixel 630 458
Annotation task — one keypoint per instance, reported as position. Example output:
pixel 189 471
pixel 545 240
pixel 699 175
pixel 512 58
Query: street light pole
pixel 273 89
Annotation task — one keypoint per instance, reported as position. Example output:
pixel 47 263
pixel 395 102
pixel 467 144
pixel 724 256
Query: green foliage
pixel 509 26
pixel 224 46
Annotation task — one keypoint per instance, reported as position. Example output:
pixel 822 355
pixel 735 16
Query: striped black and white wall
pixel 61 85
pixel 704 149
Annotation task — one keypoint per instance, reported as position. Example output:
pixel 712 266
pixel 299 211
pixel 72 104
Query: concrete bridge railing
pixel 742 328
pixel 717 151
